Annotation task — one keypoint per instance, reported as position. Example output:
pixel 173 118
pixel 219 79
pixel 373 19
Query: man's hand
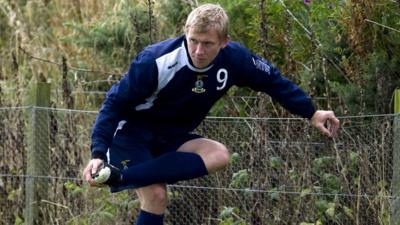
pixel 91 169
pixel 326 122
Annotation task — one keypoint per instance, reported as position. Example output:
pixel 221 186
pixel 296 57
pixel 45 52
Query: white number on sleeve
pixel 222 78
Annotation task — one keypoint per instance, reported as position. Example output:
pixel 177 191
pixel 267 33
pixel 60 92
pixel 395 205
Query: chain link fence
pixel 282 171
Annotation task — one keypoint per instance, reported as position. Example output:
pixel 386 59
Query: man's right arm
pixel 107 119
pixel 134 87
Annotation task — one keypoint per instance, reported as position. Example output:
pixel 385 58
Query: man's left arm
pixel 262 76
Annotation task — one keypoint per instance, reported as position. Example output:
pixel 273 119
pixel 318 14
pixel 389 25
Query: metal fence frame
pixel 282 171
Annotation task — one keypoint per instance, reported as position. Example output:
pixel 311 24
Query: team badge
pixel 125 163
pixel 199 84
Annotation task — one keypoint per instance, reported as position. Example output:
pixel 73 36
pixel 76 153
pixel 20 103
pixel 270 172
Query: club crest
pixel 125 163
pixel 199 84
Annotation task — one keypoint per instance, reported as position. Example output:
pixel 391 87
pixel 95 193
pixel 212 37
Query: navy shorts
pixel 134 145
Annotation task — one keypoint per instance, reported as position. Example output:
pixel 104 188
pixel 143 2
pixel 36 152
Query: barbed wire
pixel 99 81
pixel 215 118
pixel 382 25
pixel 5 108
pixel 89 92
pixel 245 190
pixel 74 68
pixel 26 176
pixel 285 192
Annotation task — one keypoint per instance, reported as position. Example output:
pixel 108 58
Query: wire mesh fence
pixel 282 171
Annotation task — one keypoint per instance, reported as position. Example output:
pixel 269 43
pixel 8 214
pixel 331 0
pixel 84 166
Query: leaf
pixel 305 192
pixel 107 215
pixel 228 221
pixel 18 220
pixel 274 195
pixel 319 164
pixel 239 222
pixel 235 158
pixel 321 205
pixel 240 179
pixel 355 158
pixel 348 211
pixel 276 162
pixel 330 212
pixel 226 212
pixel 13 194
pixel 331 181
pixel 293 175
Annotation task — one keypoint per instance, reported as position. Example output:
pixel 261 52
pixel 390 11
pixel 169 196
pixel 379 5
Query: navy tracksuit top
pixel 164 91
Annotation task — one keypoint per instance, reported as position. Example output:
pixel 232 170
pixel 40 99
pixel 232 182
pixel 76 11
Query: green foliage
pixel 117 36
pixel 5 29
pixel 73 189
pixel 277 162
pixel 321 163
pixel 328 182
pixel 347 52
pixel 172 16
pixel 330 208
pixel 106 208
pixel 243 17
pixel 18 220
pixel 316 223
pixel 240 179
pixel 14 194
pixel 235 159
pixel 274 194
pixel 230 216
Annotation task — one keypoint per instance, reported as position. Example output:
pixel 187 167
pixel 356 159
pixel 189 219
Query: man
pixel 142 137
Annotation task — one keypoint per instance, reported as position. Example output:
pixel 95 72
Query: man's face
pixel 204 47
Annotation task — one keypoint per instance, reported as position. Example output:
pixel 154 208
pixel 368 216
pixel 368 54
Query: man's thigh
pixel 171 143
pixel 214 154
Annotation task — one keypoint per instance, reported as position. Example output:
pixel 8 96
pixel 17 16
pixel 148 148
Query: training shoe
pixel 107 174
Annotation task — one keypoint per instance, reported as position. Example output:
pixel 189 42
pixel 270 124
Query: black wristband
pixel 99 155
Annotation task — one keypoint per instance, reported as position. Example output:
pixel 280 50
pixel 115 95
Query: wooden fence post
pixel 395 203
pixel 38 153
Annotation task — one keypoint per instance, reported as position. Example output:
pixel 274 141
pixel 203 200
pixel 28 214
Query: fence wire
pixel 282 171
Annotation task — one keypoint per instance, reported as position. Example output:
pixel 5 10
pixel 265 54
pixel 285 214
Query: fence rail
pixel 282 171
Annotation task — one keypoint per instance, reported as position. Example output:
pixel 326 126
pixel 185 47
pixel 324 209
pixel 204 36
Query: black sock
pixel 147 218
pixel 168 168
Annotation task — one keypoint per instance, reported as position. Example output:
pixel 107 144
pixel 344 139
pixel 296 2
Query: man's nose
pixel 200 49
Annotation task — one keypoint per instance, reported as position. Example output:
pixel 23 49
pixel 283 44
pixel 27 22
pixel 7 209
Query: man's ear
pixel 225 41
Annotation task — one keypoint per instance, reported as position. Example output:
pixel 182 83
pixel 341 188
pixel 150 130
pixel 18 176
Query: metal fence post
pixel 395 204
pixel 38 153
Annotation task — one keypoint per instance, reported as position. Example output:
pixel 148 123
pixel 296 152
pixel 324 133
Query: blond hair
pixel 206 17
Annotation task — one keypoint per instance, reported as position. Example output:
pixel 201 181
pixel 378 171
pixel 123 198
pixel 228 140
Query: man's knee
pixel 153 196
pixel 216 158
pixel 222 155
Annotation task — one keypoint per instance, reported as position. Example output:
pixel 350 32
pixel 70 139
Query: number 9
pixel 222 78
